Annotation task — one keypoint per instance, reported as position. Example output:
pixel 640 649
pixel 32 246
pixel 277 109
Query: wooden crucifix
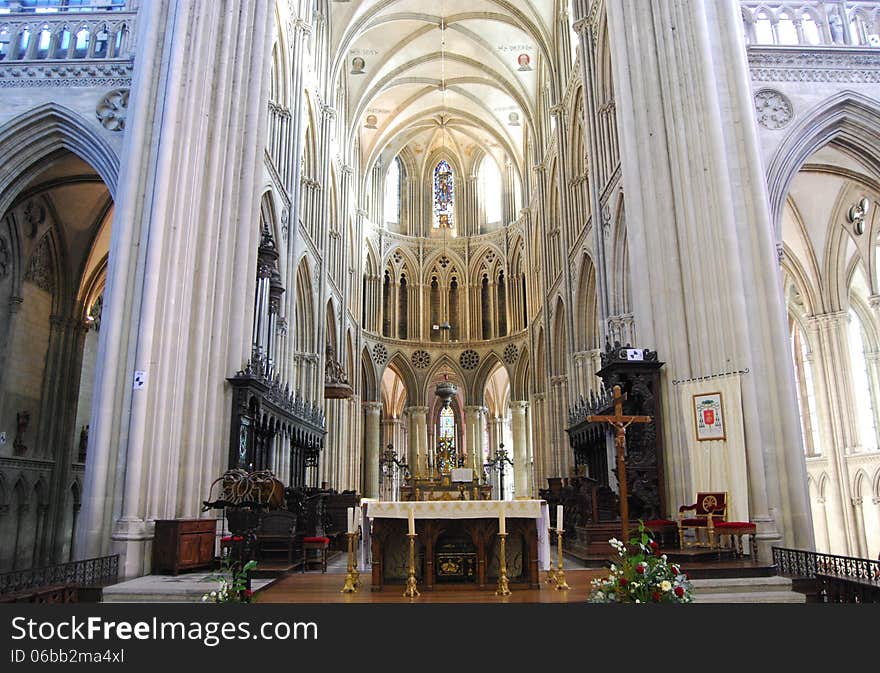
pixel 620 422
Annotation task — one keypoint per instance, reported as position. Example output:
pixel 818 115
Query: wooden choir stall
pixel 457 541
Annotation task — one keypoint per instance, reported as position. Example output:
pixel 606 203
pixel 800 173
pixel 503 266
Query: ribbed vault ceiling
pixel 441 74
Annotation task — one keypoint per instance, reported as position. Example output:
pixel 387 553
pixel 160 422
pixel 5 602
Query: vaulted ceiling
pixel 459 75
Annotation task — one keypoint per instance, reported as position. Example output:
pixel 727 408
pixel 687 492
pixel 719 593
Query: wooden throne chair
pixel 709 509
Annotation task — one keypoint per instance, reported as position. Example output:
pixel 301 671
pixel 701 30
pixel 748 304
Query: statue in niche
pixel 22 420
pixel 333 371
pixel 83 443
pixel 836 25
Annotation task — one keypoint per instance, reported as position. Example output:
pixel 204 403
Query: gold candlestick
pixel 561 584
pixel 503 588
pixel 551 571
pixel 351 576
pixel 411 590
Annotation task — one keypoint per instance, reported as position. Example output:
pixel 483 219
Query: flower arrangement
pixel 234 586
pixel 642 575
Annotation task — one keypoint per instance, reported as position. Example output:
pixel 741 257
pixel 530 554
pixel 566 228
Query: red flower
pixel 237 538
pixel 676 570
pixel 686 576
pixel 679 591
pixel 640 569
pixel 623 581
pixel 226 539
pixel 655 597
pixel 248 593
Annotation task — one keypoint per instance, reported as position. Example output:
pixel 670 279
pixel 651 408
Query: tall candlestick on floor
pixel 351 579
pixel 503 585
pixel 551 571
pixel 561 584
pixel 411 590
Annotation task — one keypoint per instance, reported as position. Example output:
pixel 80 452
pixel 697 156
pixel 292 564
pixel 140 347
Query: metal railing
pixel 94 572
pixel 838 579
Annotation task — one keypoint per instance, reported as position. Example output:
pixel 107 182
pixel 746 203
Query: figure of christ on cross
pixel 620 422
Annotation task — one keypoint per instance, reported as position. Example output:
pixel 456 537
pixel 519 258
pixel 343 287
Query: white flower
pixel 663 557
pixel 665 585
pixel 638 601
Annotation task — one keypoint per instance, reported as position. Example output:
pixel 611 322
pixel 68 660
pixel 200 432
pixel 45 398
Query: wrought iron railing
pixel 803 564
pixel 93 572
pixel 838 578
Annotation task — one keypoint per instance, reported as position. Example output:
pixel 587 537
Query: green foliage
pixel 233 580
pixel 641 574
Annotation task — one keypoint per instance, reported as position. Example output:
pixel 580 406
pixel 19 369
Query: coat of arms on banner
pixel 709 416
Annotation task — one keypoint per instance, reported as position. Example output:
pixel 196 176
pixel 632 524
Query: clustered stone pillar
pixel 372 450
pixel 520 431
pixel 473 427
pixel 682 92
pixel 417 440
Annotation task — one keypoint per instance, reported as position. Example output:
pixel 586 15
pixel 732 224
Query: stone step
pixel 746 590
pixel 751 597
pixel 184 588
pixel 742 584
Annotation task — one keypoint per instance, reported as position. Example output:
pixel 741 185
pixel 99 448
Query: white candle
pixel 358 518
pixel 502 527
pixel 559 518
pixel 351 519
pixel 412 521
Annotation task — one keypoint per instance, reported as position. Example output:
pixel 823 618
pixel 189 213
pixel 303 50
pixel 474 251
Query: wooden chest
pixel 183 544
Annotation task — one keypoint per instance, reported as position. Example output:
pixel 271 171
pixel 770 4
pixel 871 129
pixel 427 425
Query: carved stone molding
pixel 112 110
pixel 773 108
pixel 848 66
pixel 39 270
pixel 79 75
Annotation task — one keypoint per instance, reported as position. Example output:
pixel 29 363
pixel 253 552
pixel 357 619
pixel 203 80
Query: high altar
pixel 457 541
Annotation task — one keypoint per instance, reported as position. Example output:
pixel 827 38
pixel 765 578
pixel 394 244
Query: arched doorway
pixel 54 250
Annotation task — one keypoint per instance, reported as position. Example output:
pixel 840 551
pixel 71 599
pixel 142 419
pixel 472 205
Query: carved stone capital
pixel 372 407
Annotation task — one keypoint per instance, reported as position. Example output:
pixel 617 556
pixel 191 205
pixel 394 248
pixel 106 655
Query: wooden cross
pixel 620 422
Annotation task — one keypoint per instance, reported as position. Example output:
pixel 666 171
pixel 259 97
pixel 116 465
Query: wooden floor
pixel 315 587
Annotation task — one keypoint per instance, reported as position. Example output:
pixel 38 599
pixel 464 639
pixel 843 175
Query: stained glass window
pixel 444 196
pixel 447 422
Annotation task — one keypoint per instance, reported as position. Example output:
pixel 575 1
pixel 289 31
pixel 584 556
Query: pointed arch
pixel 541 371
pixel 369 377
pixel 39 133
pixel 401 366
pixel 848 120
pixel 305 313
pixel 560 340
pixel 586 329
pixel 488 364
pixel 332 331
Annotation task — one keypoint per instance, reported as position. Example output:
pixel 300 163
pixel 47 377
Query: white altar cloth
pixel 470 509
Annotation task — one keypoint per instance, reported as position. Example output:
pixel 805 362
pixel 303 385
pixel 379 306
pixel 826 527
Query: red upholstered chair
pixel 736 529
pixel 317 543
pixel 709 509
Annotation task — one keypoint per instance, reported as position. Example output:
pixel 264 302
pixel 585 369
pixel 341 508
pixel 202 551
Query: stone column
pixel 828 332
pixel 496 436
pixel 372 448
pixel 473 424
pixel 682 91
pixel 519 429
pixel 417 440
pixel 150 457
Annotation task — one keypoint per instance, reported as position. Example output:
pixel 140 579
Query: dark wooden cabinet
pixel 183 544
